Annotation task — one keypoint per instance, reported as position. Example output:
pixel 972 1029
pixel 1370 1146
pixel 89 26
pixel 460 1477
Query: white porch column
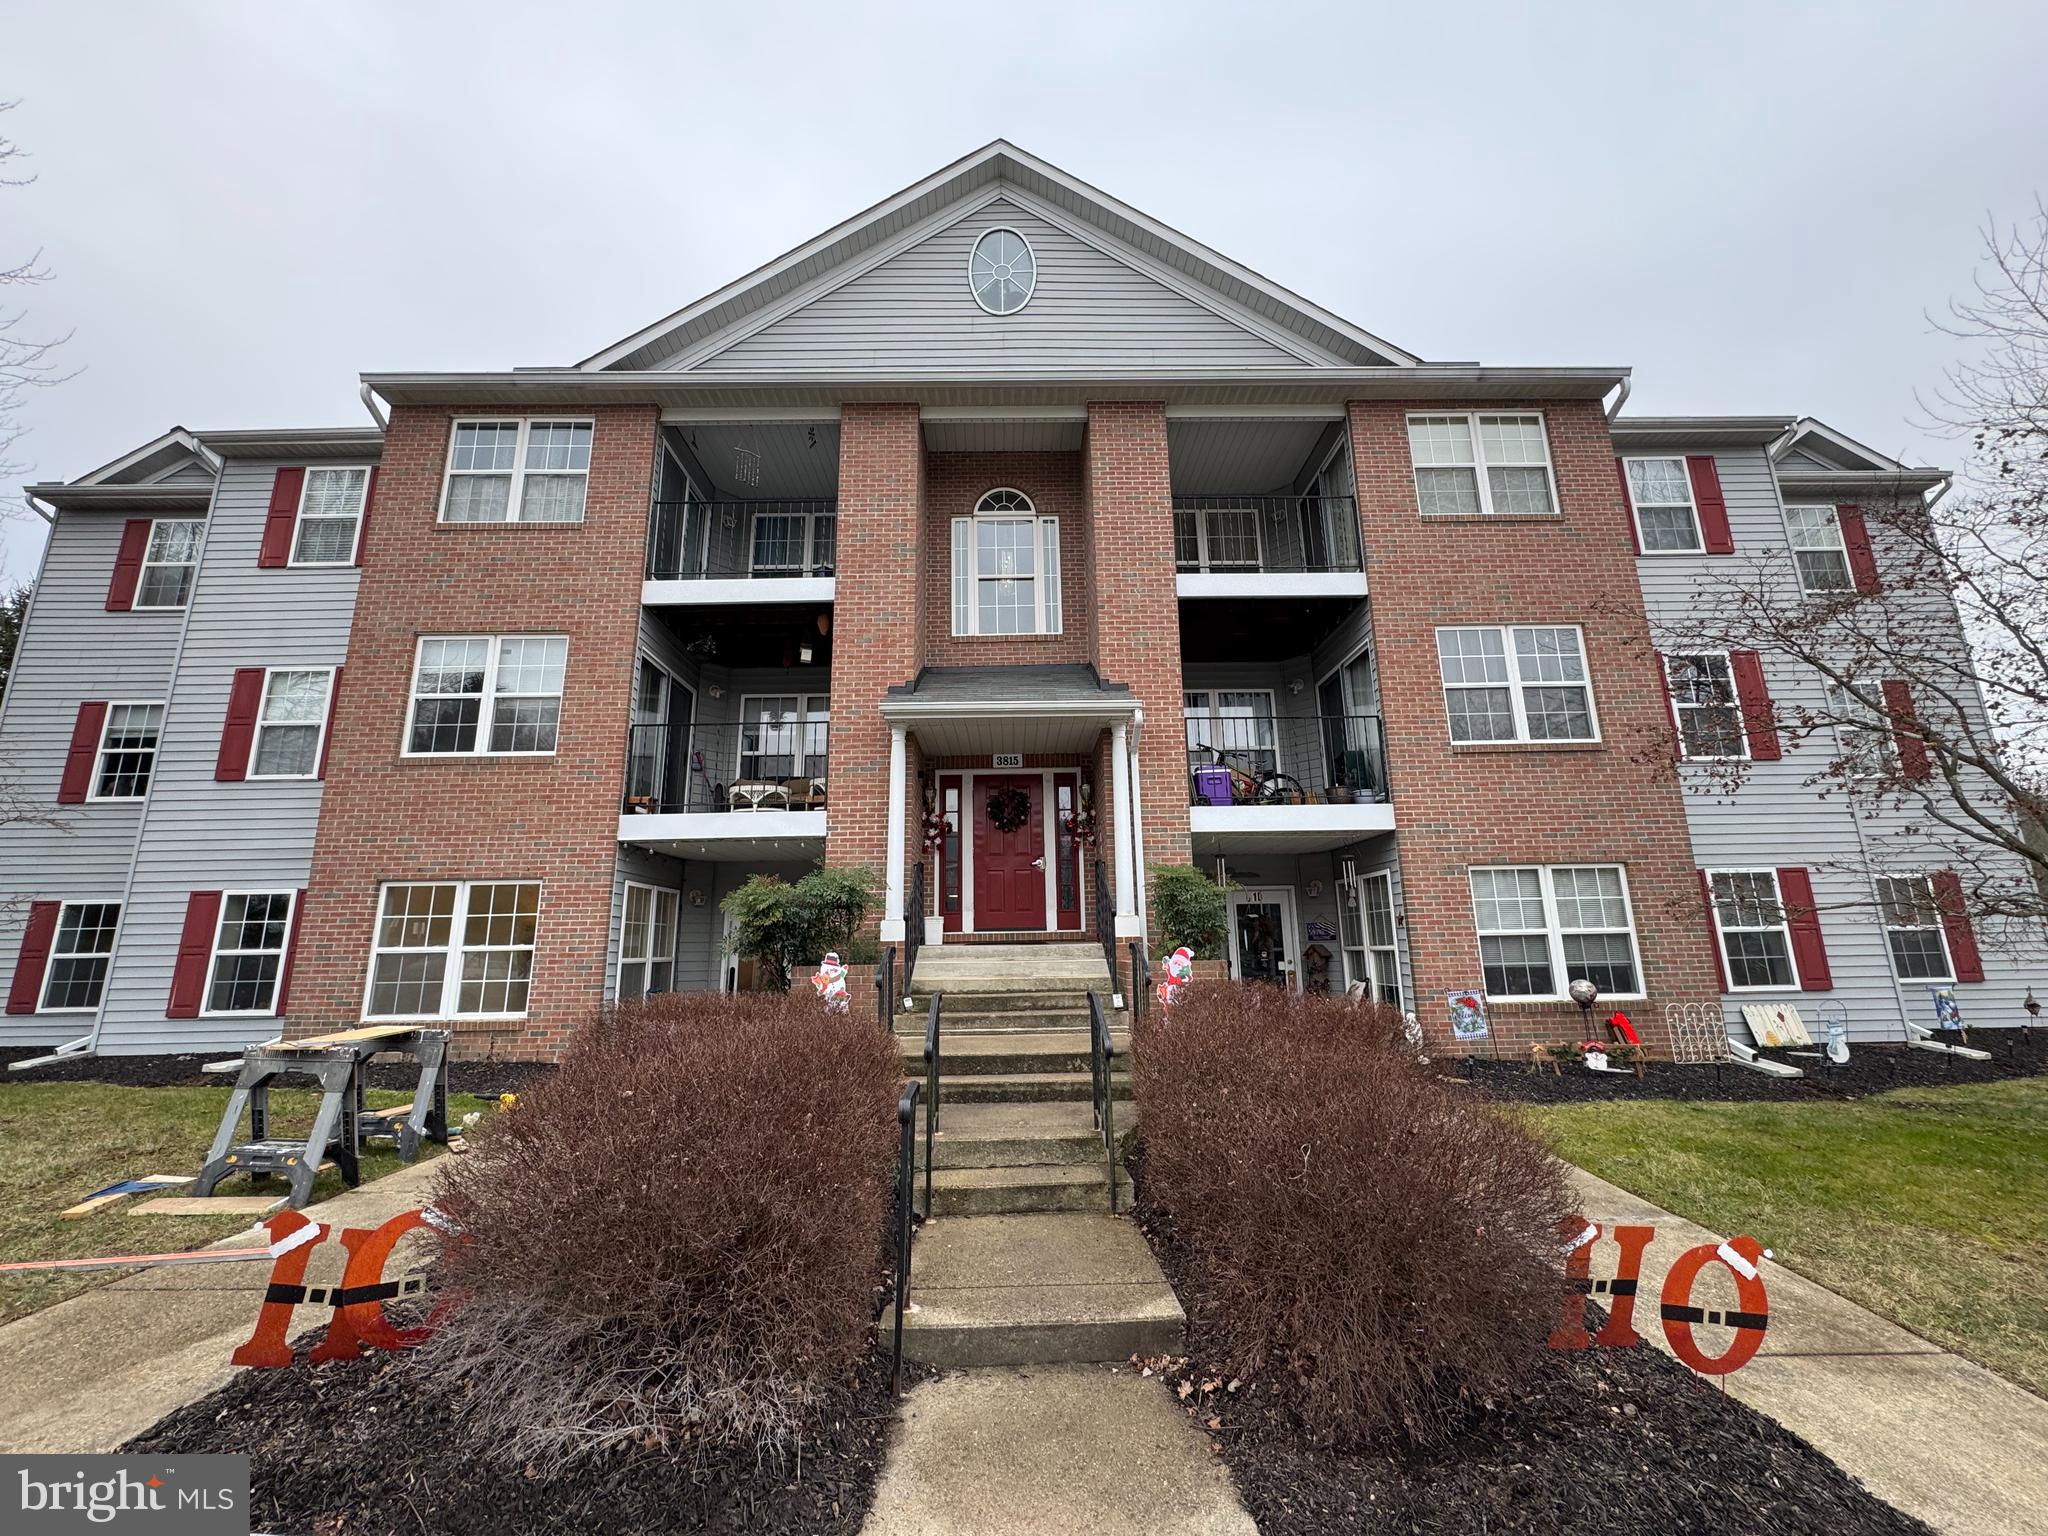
pixel 892 898
pixel 1121 823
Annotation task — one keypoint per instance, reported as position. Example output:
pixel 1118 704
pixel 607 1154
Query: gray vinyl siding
pixel 73 650
pixel 1089 311
pixel 201 834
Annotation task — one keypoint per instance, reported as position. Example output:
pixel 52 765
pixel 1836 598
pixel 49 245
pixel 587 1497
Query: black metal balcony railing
pixel 700 540
pixel 1260 535
pixel 1286 760
pixel 759 765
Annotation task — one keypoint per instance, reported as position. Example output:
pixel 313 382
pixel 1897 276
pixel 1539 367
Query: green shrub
pixel 785 926
pixel 1189 908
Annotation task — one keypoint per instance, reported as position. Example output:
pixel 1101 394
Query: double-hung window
pixel 782 736
pixel 1756 942
pixel 1818 551
pixel 1516 684
pixel 1235 722
pixel 291 723
pixel 79 956
pixel 647 942
pixel 453 950
pixel 517 471
pixel 1864 738
pixel 1209 538
pixel 794 539
pixel 1703 697
pixel 1006 568
pixel 1913 928
pixel 1543 927
pixel 330 516
pixel 168 563
pixel 127 756
pixel 1487 464
pixel 1660 492
pixel 248 952
pixel 487 694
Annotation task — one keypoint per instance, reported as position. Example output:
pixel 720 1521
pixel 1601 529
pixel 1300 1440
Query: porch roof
pixel 1051 708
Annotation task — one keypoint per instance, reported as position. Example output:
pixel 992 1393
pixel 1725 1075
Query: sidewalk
pixel 1924 1430
pixel 88 1373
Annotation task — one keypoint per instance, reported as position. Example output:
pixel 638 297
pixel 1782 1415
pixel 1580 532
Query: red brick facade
pixel 954 483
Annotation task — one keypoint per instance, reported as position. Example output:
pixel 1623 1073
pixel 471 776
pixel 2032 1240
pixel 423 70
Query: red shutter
pixel 1802 918
pixel 291 954
pixel 363 527
pixel 283 517
pixel 1713 929
pixel 238 730
pixel 1758 720
pixel 1670 709
pixel 1628 506
pixel 195 953
pixel 128 565
pixel 1713 506
pixel 327 736
pixel 1955 923
pixel 84 753
pixel 1898 703
pixel 25 992
pixel 1856 539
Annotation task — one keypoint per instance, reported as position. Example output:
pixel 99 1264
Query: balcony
pixel 1285 783
pixel 1267 546
pixel 742 551
pixel 750 789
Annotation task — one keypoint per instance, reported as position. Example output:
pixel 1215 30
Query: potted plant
pixel 1339 794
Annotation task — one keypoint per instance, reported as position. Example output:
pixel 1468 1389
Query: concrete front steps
pixel 1004 1159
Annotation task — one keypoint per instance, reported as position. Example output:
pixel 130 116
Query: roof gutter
pixel 47 514
pixel 1620 399
pixel 369 399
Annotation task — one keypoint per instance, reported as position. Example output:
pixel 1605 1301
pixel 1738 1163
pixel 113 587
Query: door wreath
pixel 1009 808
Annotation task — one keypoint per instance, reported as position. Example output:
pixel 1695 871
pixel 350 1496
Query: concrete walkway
pixel 91 1372
pixel 1925 1430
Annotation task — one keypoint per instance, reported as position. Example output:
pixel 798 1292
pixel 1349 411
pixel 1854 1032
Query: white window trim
pixel 809 563
pixel 647 961
pixel 1784 926
pixel 1888 928
pixel 1372 978
pixel 515 502
pixel 1479 466
pixel 355 544
pixel 1554 933
pixel 1030 291
pixel 1201 515
pixel 1516 683
pixel 1692 503
pixel 1046 575
pixel 1786 510
pixel 319 743
pixel 1214 720
pixel 92 789
pixel 451 973
pixel 1887 756
pixel 488 710
pixel 799 726
pixel 1678 710
pixel 142 572
pixel 291 921
pixel 50 960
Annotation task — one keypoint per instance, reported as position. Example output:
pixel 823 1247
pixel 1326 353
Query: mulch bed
pixel 373 1446
pixel 485 1078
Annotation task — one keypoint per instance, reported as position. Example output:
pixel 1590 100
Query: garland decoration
pixel 1009 808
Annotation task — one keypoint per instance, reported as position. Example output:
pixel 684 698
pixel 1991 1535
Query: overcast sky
pixel 245 205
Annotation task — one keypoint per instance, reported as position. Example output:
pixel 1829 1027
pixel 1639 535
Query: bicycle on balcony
pixel 1247 781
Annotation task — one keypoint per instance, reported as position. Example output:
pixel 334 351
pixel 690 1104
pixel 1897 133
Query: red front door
pixel 1009 859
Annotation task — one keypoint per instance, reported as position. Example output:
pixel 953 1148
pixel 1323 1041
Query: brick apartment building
pixel 999 513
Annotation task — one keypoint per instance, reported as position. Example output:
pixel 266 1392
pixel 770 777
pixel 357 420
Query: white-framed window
pixel 647 942
pixel 80 953
pixel 129 737
pixel 487 695
pixel 1481 464
pixel 1660 494
pixel 169 561
pixel 1864 738
pixel 1710 724
pixel 1913 928
pixel 517 470
pixel 1365 924
pixel 1818 551
pixel 794 541
pixel 1006 568
pixel 1516 683
pixel 1542 927
pixel 782 736
pixel 248 952
pixel 1001 271
pixel 291 723
pixel 1756 942
pixel 330 515
pixel 453 949
pixel 1237 722
pixel 1217 539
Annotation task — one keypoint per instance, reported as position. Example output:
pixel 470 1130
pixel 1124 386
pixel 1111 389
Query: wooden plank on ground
pixel 113 1194
pixel 210 1205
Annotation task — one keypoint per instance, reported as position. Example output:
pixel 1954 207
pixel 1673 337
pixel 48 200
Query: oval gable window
pixel 1001 271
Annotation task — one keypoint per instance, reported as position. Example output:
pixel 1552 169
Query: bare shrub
pixel 1377 1253
pixel 675 1239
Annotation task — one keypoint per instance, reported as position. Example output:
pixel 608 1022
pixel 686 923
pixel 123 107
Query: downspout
pixel 1613 410
pixel 1138 827
pixel 369 400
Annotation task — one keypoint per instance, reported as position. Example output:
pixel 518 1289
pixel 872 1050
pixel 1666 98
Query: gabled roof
pixel 158 459
pixel 897 222
pixel 174 470
pixel 1813 459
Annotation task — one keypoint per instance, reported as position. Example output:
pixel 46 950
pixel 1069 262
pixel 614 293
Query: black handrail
pixel 1102 1067
pixel 1105 922
pixel 1287 760
pixel 931 1090
pixel 913 925
pixel 885 987
pixel 762 539
pixel 679 767
pixel 1226 535
pixel 906 1157
pixel 1141 985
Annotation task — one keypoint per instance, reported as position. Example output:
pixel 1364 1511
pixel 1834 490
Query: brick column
pixel 1460 806
pixel 1136 606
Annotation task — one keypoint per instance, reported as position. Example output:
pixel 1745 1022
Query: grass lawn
pixel 1928 1205
pixel 61 1141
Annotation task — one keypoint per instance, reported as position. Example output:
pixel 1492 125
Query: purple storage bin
pixel 1212 784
